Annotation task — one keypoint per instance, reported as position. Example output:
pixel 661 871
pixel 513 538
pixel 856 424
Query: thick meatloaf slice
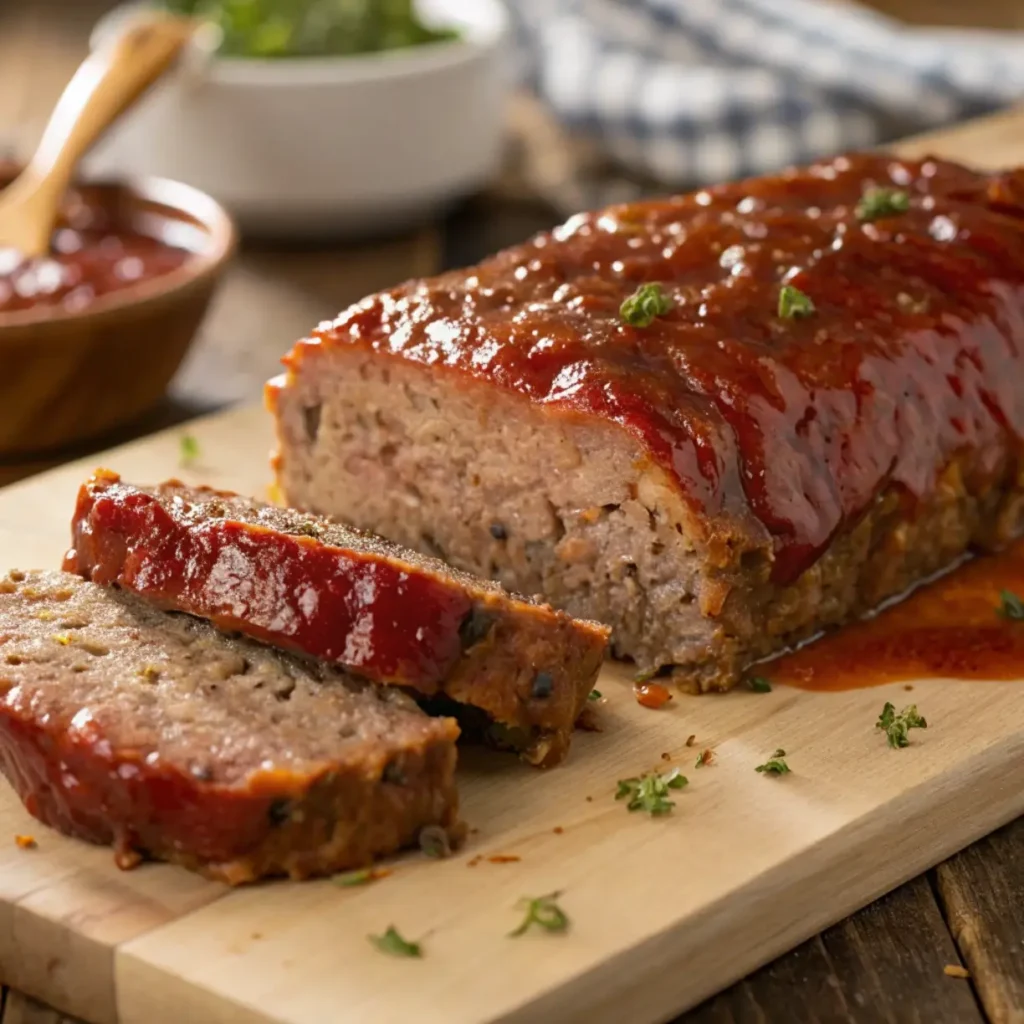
pixel 825 406
pixel 123 724
pixel 323 589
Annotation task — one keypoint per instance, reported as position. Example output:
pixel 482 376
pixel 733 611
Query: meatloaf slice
pixel 123 724
pixel 326 590
pixel 719 422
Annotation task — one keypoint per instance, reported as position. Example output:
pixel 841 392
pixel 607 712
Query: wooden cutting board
pixel 664 911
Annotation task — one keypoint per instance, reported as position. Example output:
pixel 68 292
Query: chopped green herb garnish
pixel 650 792
pixel 1011 606
pixel 876 203
pixel 759 684
pixel 594 695
pixel 188 450
pixel 361 877
pixel 543 912
pixel 896 726
pixel 645 305
pixel 394 945
pixel 775 765
pixel 276 29
pixel 646 676
pixel 793 303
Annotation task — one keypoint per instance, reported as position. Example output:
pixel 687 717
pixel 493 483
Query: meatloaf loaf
pixel 719 422
pixel 123 724
pixel 322 589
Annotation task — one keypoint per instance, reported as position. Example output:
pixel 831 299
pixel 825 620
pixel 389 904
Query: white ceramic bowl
pixel 326 146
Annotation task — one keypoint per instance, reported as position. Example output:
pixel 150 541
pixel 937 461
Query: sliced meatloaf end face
pixel 122 724
pixel 544 502
pixel 518 670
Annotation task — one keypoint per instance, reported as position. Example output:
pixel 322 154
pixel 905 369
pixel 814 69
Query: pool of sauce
pixel 952 628
pixel 785 430
pixel 91 255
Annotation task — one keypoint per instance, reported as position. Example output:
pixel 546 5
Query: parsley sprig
pixel 650 792
pixel 1011 606
pixel 543 912
pixel 876 203
pixel 645 305
pixel 775 765
pixel 896 726
pixel 188 450
pixel 394 945
pixel 794 304
pixel 759 684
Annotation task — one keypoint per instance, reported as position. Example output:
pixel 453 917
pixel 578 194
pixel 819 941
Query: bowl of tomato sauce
pixel 92 333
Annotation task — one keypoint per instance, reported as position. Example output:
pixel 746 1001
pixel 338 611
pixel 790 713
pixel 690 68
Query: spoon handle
pixel 106 84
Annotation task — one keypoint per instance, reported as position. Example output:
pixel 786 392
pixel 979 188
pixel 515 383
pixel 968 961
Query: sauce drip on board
pixel 952 628
pixel 789 427
pixel 91 255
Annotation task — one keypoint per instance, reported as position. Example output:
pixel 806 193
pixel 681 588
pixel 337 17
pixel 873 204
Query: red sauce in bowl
pixel 91 255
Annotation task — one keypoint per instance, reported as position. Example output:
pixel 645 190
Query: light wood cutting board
pixel 664 911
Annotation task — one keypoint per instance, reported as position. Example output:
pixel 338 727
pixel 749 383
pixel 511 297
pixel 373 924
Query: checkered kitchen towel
pixel 684 92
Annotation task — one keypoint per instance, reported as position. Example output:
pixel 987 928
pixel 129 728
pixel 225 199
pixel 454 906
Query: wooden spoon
pixel 108 82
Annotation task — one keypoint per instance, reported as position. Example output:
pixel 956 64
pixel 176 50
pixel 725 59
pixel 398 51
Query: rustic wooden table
pixel 905 957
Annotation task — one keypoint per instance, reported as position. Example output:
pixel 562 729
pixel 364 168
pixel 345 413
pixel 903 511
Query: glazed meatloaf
pixel 320 588
pixel 126 725
pixel 718 422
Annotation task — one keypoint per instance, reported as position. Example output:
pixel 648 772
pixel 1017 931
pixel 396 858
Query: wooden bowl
pixel 66 377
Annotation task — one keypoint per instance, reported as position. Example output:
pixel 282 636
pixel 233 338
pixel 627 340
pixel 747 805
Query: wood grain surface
pixel 883 972
pixel 664 911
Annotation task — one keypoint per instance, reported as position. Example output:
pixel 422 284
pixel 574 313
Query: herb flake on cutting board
pixel 759 684
pixel 704 757
pixel 775 765
pixel 188 450
pixel 394 945
pixel 897 726
pixel 650 792
pixel 543 912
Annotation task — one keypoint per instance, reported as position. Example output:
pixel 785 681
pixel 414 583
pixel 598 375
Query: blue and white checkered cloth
pixel 691 91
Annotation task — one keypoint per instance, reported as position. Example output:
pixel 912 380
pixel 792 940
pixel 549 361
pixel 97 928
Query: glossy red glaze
pixel 90 257
pixel 72 780
pixel 788 427
pixel 950 629
pixel 388 621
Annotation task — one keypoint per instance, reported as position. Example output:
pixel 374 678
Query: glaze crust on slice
pixel 332 592
pixel 125 725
